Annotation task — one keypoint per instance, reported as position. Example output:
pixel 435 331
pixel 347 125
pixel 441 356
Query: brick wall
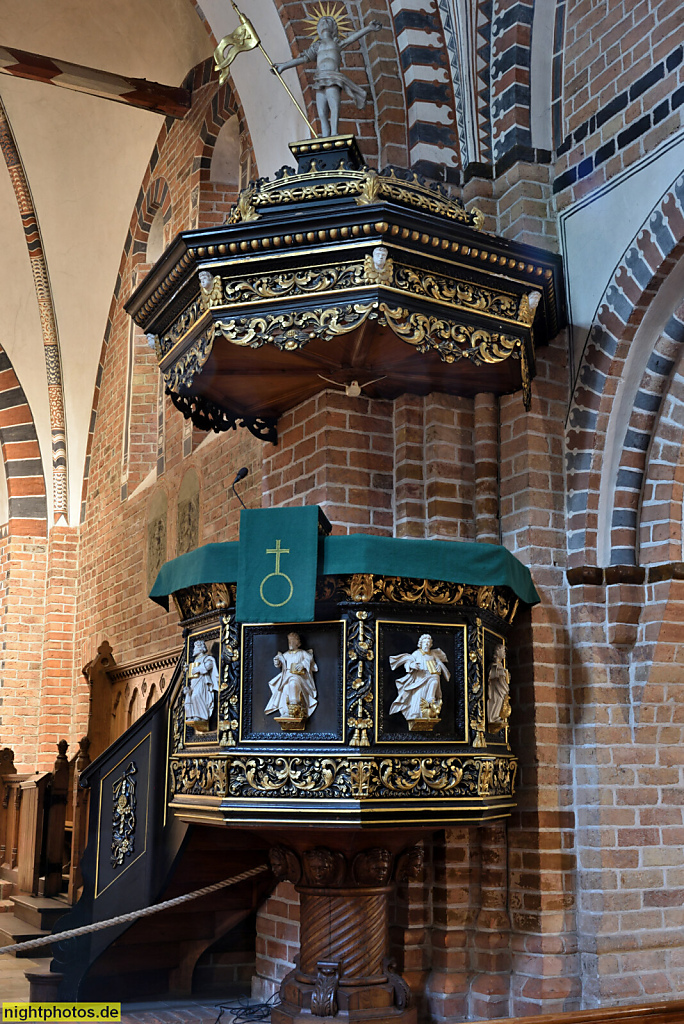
pixel 623 88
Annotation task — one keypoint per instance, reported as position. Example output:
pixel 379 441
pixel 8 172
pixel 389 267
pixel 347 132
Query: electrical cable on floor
pixel 248 1011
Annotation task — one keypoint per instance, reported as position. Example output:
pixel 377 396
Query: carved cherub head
pixel 205 279
pixel 425 643
pixel 372 867
pixel 380 255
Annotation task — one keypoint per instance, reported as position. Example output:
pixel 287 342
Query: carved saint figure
pixel 498 686
pixel 328 79
pixel 201 688
pixel 419 693
pixel 293 690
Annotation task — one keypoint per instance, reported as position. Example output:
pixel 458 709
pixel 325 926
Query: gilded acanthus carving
pixel 360 662
pixel 287 776
pixel 308 776
pixel 476 694
pixel 181 325
pixel 183 371
pixel 457 293
pixel 229 700
pixel 452 341
pixel 198 775
pixel 367 186
pixel 296 282
pixel 292 330
pixel 202 598
pixel 364 587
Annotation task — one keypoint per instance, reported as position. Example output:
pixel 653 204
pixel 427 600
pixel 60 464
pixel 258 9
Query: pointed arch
pixel 23 465
pixel 622 376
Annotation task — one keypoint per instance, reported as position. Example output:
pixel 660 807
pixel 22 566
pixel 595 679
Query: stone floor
pixel 14 988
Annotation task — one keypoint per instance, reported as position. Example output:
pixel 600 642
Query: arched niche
pixel 225 161
pixel 156 534
pixel 188 513
pixel 155 238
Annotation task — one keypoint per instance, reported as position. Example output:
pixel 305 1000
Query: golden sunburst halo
pixel 329 10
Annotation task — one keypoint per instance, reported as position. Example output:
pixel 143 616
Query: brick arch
pixel 23 464
pixel 643 455
pixel 604 398
pixel 661 530
pixel 156 196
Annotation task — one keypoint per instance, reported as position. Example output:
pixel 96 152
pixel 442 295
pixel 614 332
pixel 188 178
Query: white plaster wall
pixel 84 159
pixel 271 115
pixel 596 231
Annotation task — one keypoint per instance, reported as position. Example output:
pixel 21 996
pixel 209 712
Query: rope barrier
pixel 73 933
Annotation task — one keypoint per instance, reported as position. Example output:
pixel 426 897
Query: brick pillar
pixel 449 467
pixel 409 928
pixel 486 452
pixel 336 452
pixel 409 468
pixel 63 692
pixel 21 635
pixel 454 902
pixel 490 990
pixel 277 943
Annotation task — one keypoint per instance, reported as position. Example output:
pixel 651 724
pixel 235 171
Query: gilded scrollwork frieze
pixel 365 186
pixel 182 372
pixel 181 325
pixel 200 776
pixel 313 777
pixel 296 282
pixel 202 598
pixel 452 341
pixel 365 587
pixel 292 330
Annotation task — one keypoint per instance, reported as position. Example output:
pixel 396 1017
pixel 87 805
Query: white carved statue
pixel 419 692
pixel 201 687
pixel 293 690
pixel 498 687
pixel 328 79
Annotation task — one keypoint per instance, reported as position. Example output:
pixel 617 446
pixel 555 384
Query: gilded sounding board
pixel 383 700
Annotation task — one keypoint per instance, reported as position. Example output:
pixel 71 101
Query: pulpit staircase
pixel 155 956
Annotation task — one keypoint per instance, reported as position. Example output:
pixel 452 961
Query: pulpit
pixel 344 736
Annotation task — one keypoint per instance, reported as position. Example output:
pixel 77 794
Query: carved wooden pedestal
pixel 343 971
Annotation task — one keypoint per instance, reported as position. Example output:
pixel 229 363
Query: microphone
pixel 240 475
